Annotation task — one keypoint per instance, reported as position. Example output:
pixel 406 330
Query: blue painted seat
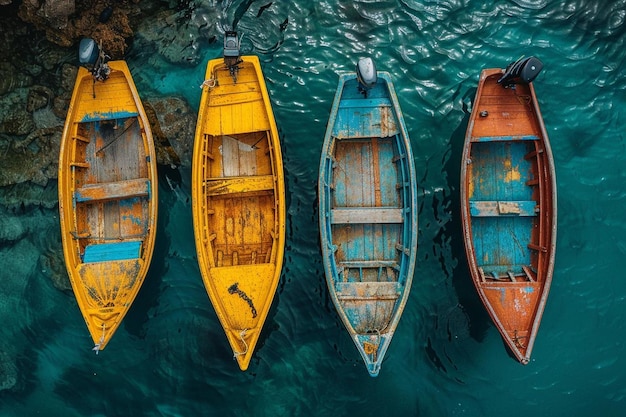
pixel 117 251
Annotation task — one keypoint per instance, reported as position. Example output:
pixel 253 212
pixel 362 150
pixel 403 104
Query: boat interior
pixel 111 188
pixel 504 209
pixel 239 191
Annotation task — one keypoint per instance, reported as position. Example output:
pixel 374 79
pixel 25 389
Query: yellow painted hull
pixel 107 197
pixel 238 201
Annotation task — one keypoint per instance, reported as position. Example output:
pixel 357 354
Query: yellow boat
pixel 107 196
pixel 238 199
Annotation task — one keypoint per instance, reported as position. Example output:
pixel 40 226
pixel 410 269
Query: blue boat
pixel 508 203
pixel 368 210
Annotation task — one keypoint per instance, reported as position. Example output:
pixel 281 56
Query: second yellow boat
pixel 238 197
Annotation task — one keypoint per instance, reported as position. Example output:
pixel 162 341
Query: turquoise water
pixel 170 357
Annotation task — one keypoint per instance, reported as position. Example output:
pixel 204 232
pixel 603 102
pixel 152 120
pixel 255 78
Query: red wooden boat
pixel 508 199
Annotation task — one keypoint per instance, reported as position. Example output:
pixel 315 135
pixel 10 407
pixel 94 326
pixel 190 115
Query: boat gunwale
pixel 252 334
pixel 522 357
pixel 410 227
pixel 67 204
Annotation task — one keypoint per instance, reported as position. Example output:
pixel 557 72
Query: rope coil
pixel 242 334
pixel 211 82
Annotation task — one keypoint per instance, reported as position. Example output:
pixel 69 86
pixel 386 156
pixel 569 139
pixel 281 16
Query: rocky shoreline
pixel 38 44
pixel 37 76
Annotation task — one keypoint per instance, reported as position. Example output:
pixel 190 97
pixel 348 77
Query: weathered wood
pixel 368 290
pixel 508 199
pixel 238 202
pixel 366 215
pixel 503 208
pixel 107 158
pixel 370 264
pixel 221 186
pixel 139 187
pixel 503 138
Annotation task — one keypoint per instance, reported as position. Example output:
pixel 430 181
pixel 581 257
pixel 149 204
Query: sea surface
pixel 170 356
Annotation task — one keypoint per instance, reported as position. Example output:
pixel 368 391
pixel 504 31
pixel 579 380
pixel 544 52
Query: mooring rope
pixel 96 348
pixel 241 335
pixel 211 82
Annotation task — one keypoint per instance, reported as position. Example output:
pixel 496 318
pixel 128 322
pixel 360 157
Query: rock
pixel 68 78
pixel 8 372
pixel 53 17
pixel 173 128
pixel 61 103
pixel 52 264
pixel 11 78
pixel 38 97
pixel 33 159
pixel 27 194
pixel 11 229
pixel 18 266
pixel 180 37
pixel 17 122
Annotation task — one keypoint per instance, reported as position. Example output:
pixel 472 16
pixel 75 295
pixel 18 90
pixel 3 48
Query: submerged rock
pixel 38 97
pixel 8 372
pixel 11 229
pixel 180 37
pixel 11 78
pixel 28 194
pixel 17 122
pixel 173 128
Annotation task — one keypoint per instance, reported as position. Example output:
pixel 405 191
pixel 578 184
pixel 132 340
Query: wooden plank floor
pixel 499 172
pixel 365 175
pixel 115 152
pixel 241 223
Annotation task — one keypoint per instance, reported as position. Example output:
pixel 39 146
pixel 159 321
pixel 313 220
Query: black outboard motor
pixel 88 52
pixel 93 57
pixel 231 48
pixel 366 75
pixel 232 53
pixel 523 70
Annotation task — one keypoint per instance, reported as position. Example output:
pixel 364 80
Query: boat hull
pixel 508 198
pixel 107 197
pixel 238 200
pixel 368 214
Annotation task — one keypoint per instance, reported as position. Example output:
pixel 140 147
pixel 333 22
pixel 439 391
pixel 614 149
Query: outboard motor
pixel 231 49
pixel 88 52
pixel 366 74
pixel 523 70
pixel 93 57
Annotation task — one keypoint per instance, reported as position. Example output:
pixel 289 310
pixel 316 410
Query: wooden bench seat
pixel 374 291
pixel 364 102
pixel 230 185
pixel 113 190
pixel 503 138
pixel 370 264
pixel 503 208
pixel 366 215
pixel 505 273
